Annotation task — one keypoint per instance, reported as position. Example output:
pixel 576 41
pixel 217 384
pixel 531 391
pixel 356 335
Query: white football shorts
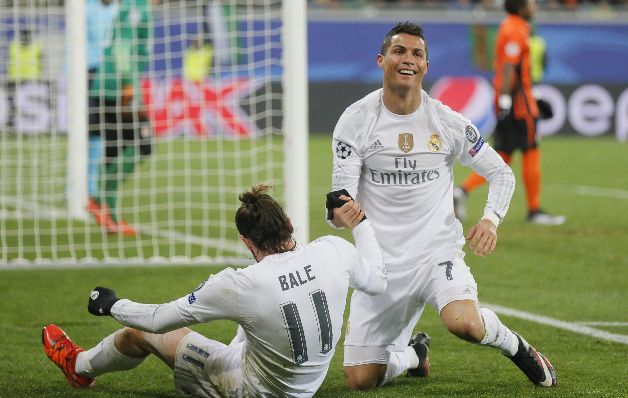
pixel 208 368
pixel 384 323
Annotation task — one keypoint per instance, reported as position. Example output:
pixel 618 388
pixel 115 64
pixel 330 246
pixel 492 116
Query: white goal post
pixel 215 132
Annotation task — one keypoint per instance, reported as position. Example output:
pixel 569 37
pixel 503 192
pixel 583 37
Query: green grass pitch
pixel 577 272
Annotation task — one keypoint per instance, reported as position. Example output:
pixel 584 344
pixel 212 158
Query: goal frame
pixel 295 117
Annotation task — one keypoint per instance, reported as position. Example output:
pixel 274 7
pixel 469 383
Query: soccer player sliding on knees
pixel 289 307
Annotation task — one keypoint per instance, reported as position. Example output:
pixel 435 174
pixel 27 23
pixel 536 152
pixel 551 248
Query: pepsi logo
pixel 471 96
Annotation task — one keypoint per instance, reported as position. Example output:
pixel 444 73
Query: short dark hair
pixel 403 27
pixel 514 6
pixel 262 220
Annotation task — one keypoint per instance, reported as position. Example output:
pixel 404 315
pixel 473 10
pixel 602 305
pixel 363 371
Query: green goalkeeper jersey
pixel 126 51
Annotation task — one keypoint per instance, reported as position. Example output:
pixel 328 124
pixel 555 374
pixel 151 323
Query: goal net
pixel 210 86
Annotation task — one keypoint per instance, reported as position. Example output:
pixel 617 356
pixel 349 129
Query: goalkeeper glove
pixel 334 202
pixel 101 300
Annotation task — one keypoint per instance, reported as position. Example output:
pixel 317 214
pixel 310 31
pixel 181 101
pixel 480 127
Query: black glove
pixel 334 201
pixel 101 300
pixel 545 109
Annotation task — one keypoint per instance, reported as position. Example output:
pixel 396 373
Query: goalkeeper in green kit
pixel 124 124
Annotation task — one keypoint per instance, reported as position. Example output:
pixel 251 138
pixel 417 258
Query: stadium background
pixel 585 79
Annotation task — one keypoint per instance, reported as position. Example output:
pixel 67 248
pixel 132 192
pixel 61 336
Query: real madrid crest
pixel 406 142
pixel 434 144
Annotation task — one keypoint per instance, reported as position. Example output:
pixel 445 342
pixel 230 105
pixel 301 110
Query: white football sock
pixel 413 358
pixel 103 358
pixel 497 335
pixel 399 362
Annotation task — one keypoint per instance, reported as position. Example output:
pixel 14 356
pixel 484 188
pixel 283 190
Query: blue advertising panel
pixel 586 79
pixel 346 51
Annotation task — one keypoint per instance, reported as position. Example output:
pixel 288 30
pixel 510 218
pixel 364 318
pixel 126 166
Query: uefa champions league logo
pixel 343 151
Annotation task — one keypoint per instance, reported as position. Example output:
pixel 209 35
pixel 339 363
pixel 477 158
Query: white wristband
pixel 504 102
pixel 492 217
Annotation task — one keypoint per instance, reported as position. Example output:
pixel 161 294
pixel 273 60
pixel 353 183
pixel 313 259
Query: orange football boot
pixel 63 352
pixel 101 215
pixel 123 228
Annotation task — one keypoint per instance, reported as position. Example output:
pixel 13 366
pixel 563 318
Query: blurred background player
pixel 100 14
pixel 197 60
pixel 289 308
pixel 517 112
pixel 25 63
pixel 25 57
pixel 123 122
pixel 538 57
pixel 538 64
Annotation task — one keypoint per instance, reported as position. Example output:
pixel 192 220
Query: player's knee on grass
pixel 463 319
pixel 364 377
pixel 467 329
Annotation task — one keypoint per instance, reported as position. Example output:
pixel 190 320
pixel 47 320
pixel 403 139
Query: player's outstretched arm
pixel 370 274
pixel 153 318
pixel 482 237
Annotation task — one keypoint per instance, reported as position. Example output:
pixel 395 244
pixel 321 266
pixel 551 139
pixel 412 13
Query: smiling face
pixel 404 64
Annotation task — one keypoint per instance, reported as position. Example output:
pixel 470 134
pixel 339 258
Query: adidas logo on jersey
pixel 375 146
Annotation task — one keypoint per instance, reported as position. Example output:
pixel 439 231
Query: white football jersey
pixel 400 169
pixel 290 307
